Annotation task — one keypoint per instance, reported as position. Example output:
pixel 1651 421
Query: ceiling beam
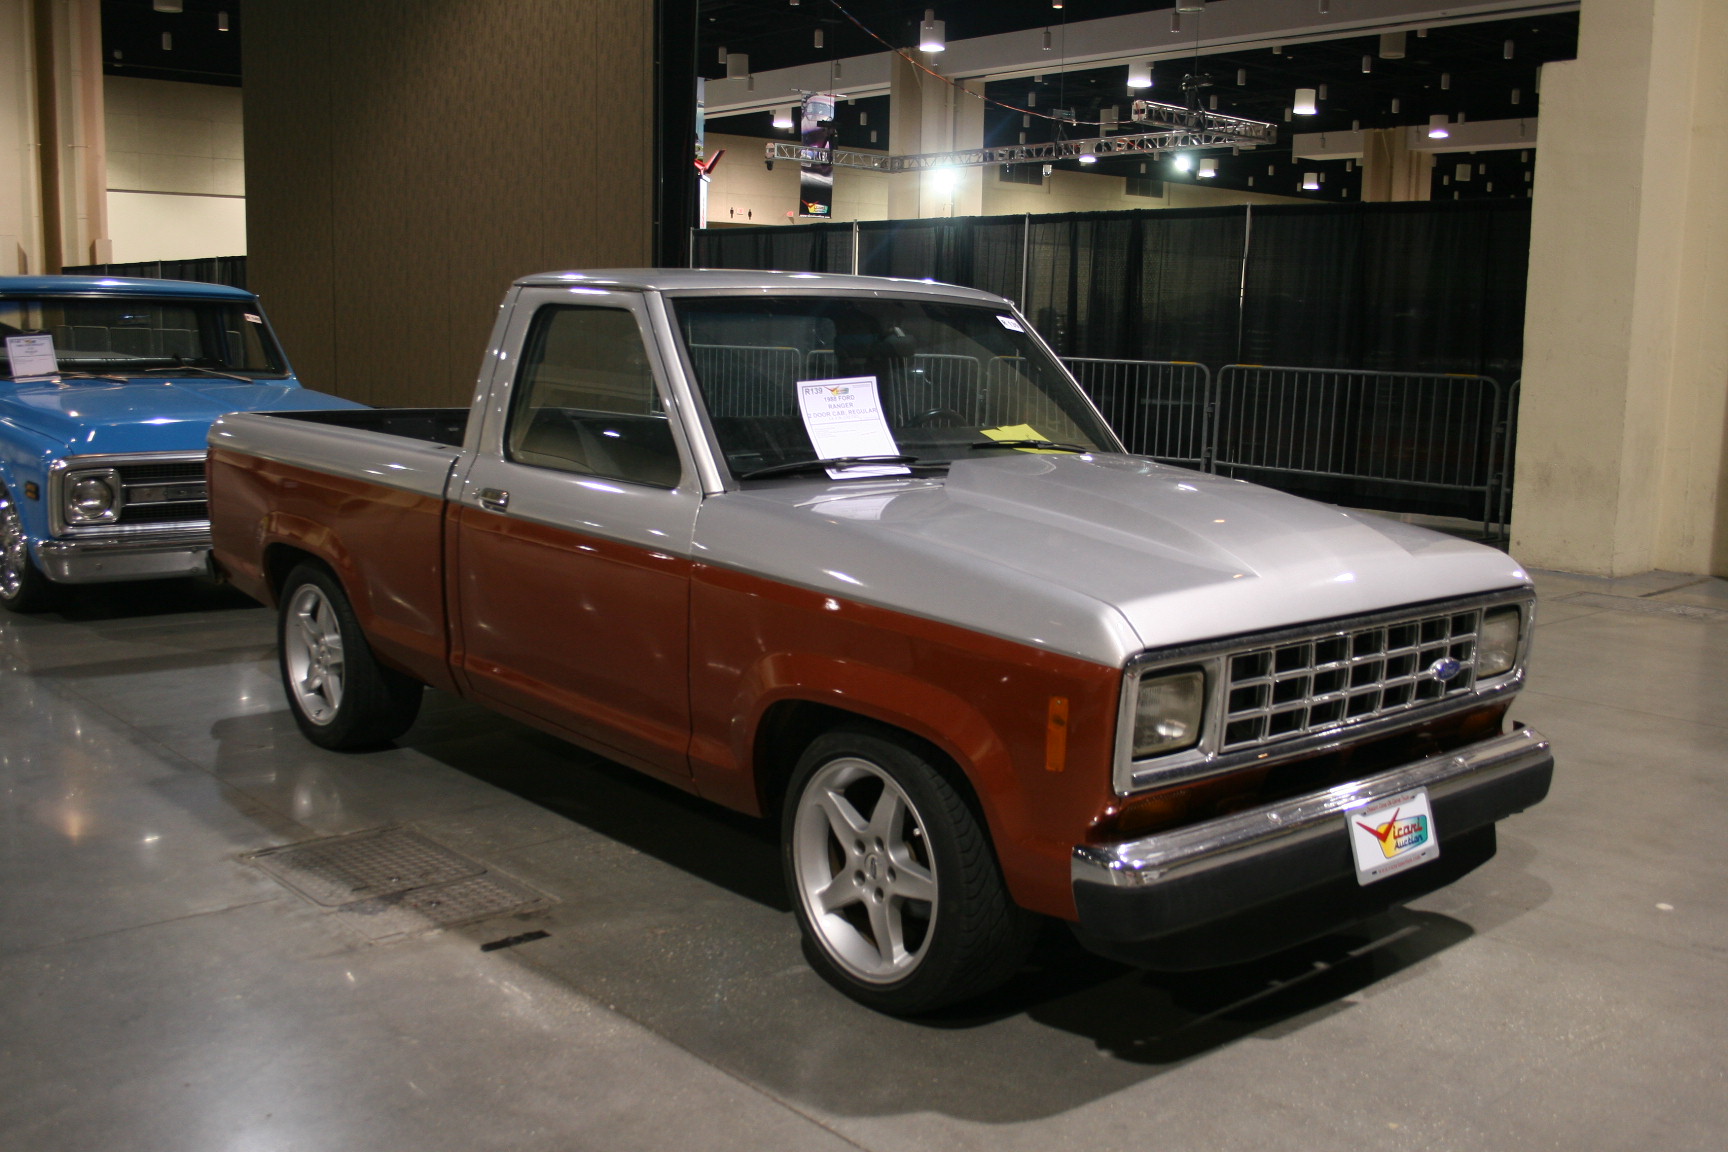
pixel 1225 26
pixel 1473 136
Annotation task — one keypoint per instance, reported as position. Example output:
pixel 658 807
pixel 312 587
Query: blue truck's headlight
pixel 93 497
pixel 1168 711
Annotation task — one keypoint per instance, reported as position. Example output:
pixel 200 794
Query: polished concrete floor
pixel 159 990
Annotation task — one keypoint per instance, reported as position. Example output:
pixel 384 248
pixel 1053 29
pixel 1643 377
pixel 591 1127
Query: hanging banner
pixel 816 181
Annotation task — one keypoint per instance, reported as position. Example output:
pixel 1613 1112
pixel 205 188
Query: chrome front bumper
pixel 100 559
pixel 1214 872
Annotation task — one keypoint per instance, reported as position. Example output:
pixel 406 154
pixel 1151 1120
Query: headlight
pixel 1497 646
pixel 93 497
pixel 1168 711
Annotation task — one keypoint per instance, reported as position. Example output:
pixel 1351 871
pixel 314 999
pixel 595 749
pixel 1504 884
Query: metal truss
pixel 1137 144
pixel 1179 130
pixel 1242 133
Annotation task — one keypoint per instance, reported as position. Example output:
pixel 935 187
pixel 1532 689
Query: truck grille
pixel 163 493
pixel 1346 676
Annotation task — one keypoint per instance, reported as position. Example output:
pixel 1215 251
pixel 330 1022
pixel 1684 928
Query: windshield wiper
pixel 66 375
pixel 825 462
pixel 183 365
pixel 1052 445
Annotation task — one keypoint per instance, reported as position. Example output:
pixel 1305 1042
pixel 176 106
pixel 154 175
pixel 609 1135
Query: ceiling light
pixel 1304 105
pixel 1445 81
pixel 1190 5
pixel 1212 103
pixel 1310 181
pixel 737 65
pixel 1325 7
pixel 1140 74
pixel 1367 63
pixel 1396 105
pixel 1506 50
pixel 1322 91
pixel 1461 173
pixel 816 39
pixel 1241 77
pixel 221 21
pixel 1437 129
pixel 1087 158
pixel 1182 162
pixel 1391 45
pixel 168 5
pixel 931 32
pixel 783 116
pixel 1208 169
pixel 1517 96
pixel 1046 39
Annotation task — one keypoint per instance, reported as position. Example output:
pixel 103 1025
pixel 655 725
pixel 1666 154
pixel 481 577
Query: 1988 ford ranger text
pixel 858 554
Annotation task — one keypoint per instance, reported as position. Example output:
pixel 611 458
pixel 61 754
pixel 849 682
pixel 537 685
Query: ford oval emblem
pixel 1445 669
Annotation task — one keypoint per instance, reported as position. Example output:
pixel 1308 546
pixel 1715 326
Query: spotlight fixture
pixel 1517 96
pixel 1506 50
pixel 1190 5
pixel 1437 129
pixel 1461 173
pixel 1046 39
pixel 1208 169
pixel 816 38
pixel 783 116
pixel 1322 92
pixel 737 65
pixel 1445 81
pixel 1304 105
pixel 931 33
pixel 1087 158
pixel 1391 45
pixel 1140 74
pixel 1397 105
pixel 1241 77
pixel 1310 181
pixel 1367 63
pixel 221 21
pixel 1182 162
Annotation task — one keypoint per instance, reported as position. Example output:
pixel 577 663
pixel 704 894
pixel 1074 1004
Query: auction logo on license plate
pixel 1388 836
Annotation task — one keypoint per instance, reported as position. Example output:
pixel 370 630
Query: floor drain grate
pixel 1645 607
pixel 393 882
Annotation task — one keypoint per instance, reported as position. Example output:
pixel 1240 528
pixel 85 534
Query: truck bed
pixel 444 426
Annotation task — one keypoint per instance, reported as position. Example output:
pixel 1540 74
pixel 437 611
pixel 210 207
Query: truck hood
pixel 158 414
pixel 1097 556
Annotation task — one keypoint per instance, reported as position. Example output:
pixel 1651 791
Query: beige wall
pixel 1621 462
pixel 176 170
pixel 406 162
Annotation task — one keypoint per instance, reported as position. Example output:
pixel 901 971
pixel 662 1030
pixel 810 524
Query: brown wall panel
pixel 406 161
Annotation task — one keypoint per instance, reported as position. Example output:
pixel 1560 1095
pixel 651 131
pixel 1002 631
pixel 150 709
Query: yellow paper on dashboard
pixel 1022 432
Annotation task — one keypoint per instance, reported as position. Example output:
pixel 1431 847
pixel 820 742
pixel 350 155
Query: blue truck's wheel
pixel 23 588
pixel 892 876
pixel 341 697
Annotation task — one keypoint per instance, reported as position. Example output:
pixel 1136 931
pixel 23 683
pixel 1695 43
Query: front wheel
pixel 895 885
pixel 23 588
pixel 340 695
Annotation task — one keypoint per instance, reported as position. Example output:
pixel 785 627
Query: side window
pixel 585 400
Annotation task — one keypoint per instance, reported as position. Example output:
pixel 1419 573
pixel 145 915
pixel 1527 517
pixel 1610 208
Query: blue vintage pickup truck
pixel 108 387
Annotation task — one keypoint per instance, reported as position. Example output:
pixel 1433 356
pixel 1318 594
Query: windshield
pixel 134 334
pixel 949 381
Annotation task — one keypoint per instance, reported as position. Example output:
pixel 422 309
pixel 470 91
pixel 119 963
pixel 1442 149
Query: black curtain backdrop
pixel 1411 287
pixel 229 270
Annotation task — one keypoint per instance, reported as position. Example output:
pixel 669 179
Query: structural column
pixel 1621 465
pixel 928 114
pixel 1391 170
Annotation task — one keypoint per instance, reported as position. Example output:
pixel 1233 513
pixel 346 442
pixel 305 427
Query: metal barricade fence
pixel 1377 439
pixel 1158 407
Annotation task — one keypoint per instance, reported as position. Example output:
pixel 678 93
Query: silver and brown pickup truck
pixel 858 555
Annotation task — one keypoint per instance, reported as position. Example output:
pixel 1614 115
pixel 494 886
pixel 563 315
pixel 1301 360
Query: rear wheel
pixel 896 888
pixel 23 588
pixel 341 697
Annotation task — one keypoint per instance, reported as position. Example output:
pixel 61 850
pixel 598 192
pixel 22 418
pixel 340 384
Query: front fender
pixel 25 456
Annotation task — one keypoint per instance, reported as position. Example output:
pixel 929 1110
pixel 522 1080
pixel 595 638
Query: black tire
pixel 23 587
pixel 341 697
pixel 908 833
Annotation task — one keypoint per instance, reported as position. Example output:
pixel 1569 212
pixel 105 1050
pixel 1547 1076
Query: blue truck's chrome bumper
pixel 143 556
pixel 1220 872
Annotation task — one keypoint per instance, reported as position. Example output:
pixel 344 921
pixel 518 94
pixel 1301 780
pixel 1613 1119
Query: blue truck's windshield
pixel 133 335
pixel 954 381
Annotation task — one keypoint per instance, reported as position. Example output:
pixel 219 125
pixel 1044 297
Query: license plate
pixel 1391 835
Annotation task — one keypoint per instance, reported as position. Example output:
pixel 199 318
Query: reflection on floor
pixel 160 990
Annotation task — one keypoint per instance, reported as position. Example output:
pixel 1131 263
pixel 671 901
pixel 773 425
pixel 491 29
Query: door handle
pixel 494 499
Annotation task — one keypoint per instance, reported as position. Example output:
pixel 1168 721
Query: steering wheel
pixel 955 419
